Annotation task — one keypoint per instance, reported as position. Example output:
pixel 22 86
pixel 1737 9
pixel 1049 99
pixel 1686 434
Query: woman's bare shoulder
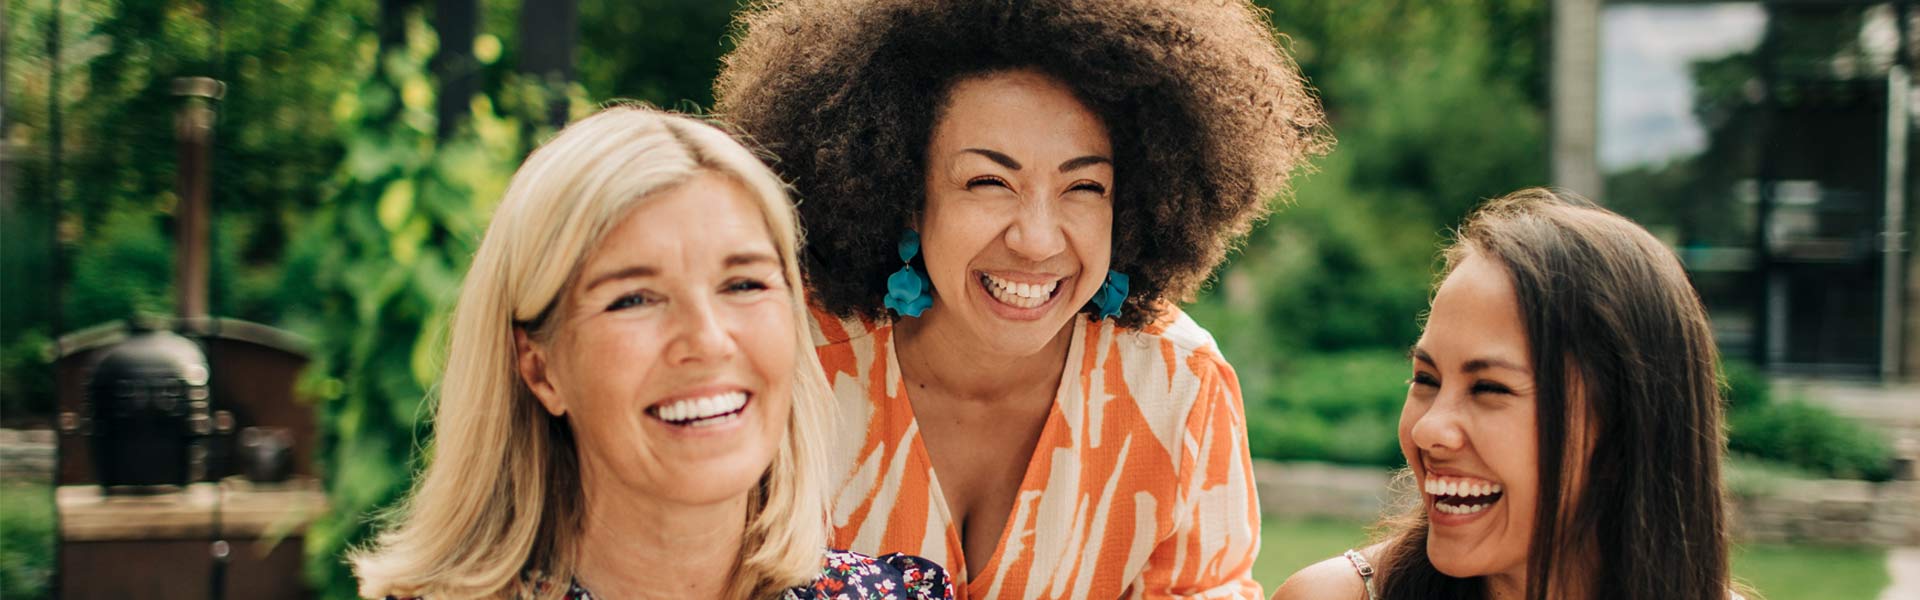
pixel 1333 578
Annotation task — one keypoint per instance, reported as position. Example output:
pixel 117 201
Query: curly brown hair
pixel 1207 115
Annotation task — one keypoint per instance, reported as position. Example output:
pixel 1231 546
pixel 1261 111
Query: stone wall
pixel 26 455
pixel 1836 512
pixel 1317 490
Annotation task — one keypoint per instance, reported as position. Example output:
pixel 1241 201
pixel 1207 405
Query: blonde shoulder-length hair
pixel 497 511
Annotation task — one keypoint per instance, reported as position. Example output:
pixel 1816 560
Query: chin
pixel 709 487
pixel 1461 563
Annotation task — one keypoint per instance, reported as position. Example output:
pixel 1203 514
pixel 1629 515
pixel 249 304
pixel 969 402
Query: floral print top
pixel 851 576
pixel 855 576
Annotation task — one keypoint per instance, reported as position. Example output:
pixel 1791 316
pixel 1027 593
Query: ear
pixel 530 358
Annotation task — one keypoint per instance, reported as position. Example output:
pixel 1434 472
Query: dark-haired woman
pixel 1004 200
pixel 1562 425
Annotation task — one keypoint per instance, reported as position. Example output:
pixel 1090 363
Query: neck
pixel 635 545
pixel 942 354
pixel 1512 585
pixel 1508 586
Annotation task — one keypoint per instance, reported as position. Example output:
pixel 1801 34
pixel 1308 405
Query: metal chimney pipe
pixel 193 127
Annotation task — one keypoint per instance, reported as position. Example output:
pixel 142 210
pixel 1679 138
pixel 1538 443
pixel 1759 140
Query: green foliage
pixel 1436 105
pixel 1342 408
pixel 1746 386
pixel 1813 438
pixel 629 38
pixel 26 539
pixel 281 61
pixel 27 388
pixel 382 262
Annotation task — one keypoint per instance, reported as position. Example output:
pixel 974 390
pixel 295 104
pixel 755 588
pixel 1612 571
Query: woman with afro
pixel 1005 202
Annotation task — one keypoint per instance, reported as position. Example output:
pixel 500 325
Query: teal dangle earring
pixel 909 290
pixel 1112 295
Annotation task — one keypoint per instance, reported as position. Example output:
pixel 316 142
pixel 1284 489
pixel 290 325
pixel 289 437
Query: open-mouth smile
pixel 704 411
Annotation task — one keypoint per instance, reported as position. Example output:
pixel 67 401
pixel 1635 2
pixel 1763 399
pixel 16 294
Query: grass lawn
pixel 26 539
pixel 1290 545
pixel 1811 572
pixel 1777 572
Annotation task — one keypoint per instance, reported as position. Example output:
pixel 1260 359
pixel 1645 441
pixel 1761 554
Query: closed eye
pixel 1489 387
pixel 1424 380
pixel 1089 186
pixel 987 180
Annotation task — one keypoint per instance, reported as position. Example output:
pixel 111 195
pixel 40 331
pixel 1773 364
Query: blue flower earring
pixel 1112 294
pixel 908 290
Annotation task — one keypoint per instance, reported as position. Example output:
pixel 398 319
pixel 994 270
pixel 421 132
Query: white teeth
pixel 700 411
pixel 1460 488
pixel 1023 295
pixel 1460 509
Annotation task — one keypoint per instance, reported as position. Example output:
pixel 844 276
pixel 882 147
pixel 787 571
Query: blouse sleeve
pixel 1217 519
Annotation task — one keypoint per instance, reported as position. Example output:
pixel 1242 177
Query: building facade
pixel 1770 143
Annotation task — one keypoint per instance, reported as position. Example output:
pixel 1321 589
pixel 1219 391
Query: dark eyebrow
pixel 1472 366
pixel 1482 364
pixel 1004 160
pixel 633 272
pixel 1083 162
pixel 748 259
pixel 1416 353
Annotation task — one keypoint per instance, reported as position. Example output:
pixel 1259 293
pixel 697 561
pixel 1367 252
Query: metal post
pixel 55 151
pixel 193 127
pixel 1893 230
pixel 1575 118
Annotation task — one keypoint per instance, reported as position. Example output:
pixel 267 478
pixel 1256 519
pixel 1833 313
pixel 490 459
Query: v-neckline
pixel 917 449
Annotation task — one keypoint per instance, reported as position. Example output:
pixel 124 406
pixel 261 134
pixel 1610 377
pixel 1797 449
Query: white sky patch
pixel 1646 90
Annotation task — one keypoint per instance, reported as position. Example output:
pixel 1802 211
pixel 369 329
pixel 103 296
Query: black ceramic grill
pixel 149 412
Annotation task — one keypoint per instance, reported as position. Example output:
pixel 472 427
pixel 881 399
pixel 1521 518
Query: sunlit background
pixel 354 150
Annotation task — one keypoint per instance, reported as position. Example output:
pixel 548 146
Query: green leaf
pixel 396 204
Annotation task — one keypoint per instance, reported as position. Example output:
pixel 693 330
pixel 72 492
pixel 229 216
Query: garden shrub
pixel 1813 438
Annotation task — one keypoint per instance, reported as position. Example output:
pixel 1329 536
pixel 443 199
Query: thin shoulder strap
pixel 1365 570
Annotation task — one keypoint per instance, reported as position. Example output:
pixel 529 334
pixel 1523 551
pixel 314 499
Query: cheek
pixel 1515 459
pixel 1090 225
pixel 955 235
pixel 766 336
pixel 630 349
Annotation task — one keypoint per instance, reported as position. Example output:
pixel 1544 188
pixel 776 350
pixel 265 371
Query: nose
pixel 1440 428
pixel 701 334
pixel 1036 234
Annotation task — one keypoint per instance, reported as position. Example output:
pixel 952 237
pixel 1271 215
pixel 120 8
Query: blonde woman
pixel 630 404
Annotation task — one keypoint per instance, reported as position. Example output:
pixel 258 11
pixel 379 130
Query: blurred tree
pixel 381 262
pixel 1436 107
pixel 116 62
pixel 663 52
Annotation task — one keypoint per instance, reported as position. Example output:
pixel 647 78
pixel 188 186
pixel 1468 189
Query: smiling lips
pixel 718 409
pixel 1462 495
pixel 1019 295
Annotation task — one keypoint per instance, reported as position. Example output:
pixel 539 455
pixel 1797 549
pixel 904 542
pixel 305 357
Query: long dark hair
pixel 1617 333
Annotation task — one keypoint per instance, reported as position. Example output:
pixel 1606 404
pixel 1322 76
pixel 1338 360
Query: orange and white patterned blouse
pixel 1139 487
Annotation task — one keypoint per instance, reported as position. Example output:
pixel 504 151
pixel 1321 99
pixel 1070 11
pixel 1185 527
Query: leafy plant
pixel 26 539
pixel 1811 437
pixel 1342 408
pixel 383 260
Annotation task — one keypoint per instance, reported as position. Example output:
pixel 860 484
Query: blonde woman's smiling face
pixel 675 359
pixel 1468 426
pixel 1017 228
